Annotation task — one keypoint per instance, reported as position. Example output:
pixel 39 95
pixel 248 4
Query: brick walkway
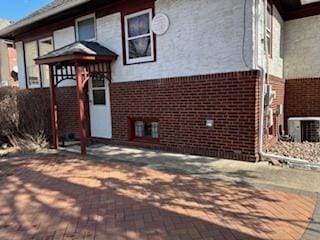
pixel 64 197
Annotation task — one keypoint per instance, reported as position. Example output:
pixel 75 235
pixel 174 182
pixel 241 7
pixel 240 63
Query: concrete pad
pixel 211 168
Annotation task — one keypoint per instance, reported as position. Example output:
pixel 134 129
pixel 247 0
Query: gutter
pixel 11 28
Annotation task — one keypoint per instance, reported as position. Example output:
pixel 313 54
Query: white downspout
pixel 263 79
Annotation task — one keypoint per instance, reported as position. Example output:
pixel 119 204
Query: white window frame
pixel 41 66
pixel 93 15
pixel 269 33
pixel 127 38
pixel 31 86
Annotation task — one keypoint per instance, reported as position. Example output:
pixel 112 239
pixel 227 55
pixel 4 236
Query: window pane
pixel 45 46
pixel 269 17
pixel 269 45
pixel 140 47
pixel 33 75
pixel 99 97
pixel 31 52
pixel 86 29
pixel 155 130
pixel 139 128
pixel 45 74
pixel 139 25
pixel 148 129
pixel 97 81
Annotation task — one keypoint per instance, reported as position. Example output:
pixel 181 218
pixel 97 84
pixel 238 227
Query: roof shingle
pixel 83 47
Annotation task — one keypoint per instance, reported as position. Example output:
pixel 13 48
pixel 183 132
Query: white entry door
pixel 100 112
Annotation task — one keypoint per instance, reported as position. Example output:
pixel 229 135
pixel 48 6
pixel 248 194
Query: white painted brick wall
pixel 204 37
pixel 302 51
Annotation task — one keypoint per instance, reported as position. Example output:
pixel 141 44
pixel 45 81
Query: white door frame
pixel 100 114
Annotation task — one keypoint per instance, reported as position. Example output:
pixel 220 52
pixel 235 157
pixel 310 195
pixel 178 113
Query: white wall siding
pixel 302 51
pixel 61 38
pixel 21 65
pixel 204 37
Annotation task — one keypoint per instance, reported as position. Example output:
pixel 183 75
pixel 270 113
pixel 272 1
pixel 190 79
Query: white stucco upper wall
pixel 61 38
pixel 302 52
pixel 204 37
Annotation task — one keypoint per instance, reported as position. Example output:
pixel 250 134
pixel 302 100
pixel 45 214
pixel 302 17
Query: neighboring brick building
pixel 8 60
pixel 176 79
pixel 302 97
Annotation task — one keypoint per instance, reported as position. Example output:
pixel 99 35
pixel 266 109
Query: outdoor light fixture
pixel 304 2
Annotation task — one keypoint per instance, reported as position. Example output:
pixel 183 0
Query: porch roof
pixel 82 51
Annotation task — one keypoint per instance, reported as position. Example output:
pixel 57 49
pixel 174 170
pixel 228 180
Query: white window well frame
pixel 86 17
pixel 127 38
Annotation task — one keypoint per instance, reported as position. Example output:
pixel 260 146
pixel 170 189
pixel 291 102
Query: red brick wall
pixel 12 55
pixel 278 85
pixel 182 106
pixel 302 98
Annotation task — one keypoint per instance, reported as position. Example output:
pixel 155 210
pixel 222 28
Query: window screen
pixel 86 29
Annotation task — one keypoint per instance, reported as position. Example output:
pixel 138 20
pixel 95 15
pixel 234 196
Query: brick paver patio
pixel 64 197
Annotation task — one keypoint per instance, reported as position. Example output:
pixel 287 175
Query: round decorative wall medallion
pixel 160 24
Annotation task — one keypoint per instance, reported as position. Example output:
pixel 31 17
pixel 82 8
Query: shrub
pixel 24 117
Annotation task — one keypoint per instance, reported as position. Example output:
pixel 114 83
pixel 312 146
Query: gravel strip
pixel 307 151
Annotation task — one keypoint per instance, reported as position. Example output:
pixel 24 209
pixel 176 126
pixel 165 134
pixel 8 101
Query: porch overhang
pixel 78 51
pixel 74 58
pixel 78 61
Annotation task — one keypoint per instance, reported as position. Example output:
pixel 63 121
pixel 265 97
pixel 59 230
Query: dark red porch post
pixel 83 137
pixel 54 110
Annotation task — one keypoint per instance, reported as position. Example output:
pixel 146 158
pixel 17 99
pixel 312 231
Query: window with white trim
pixel 269 28
pixel 86 28
pixel 32 69
pixel 139 37
pixel 45 46
pixel 37 74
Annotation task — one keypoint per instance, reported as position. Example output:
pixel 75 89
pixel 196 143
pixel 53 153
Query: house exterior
pixel 202 77
pixel 8 60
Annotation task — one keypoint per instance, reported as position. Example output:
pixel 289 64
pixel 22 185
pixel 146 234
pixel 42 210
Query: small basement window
pixel 138 37
pixel 145 130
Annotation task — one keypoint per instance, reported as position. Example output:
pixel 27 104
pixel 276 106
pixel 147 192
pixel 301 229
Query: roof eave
pixel 5 33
